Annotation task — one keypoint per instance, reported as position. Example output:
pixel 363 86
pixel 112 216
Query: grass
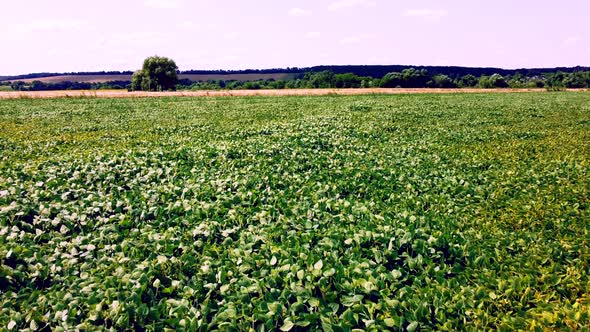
pixel 446 212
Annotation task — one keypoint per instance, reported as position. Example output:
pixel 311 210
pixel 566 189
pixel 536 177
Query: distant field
pixel 374 212
pixel 193 77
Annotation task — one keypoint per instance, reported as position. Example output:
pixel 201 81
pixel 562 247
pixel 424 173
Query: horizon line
pixel 315 66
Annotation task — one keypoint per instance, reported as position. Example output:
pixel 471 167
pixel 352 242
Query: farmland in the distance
pixel 399 212
pixel 96 78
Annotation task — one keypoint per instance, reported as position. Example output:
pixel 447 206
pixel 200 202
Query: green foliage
pixel 322 79
pixel 392 80
pixel 349 80
pixel 577 80
pixel 157 74
pixel 468 81
pixel 517 81
pixel 17 86
pixel 42 86
pixel 441 81
pixel 137 81
pixel 414 78
pixel 561 80
pixel 491 82
pixel 408 78
pixel 410 212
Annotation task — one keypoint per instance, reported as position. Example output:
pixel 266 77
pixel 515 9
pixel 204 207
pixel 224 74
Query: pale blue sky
pixel 67 35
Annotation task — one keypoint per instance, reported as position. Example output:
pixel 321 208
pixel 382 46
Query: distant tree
pixel 157 74
pixel 498 81
pixel 577 80
pixel 441 81
pixel 293 84
pixel 408 78
pixel 251 85
pixel 17 86
pixel 494 81
pixel 555 79
pixel 414 78
pixel 519 80
pixel 347 80
pixel 280 84
pixel 321 79
pixel 536 82
pixel 37 86
pixel 392 80
pixel 468 81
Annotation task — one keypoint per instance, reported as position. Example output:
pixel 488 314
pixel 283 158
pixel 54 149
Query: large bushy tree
pixel 157 74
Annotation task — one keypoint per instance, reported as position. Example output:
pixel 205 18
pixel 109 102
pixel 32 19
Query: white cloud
pixel 350 40
pixel 296 12
pixel 163 4
pixel 312 35
pixel 430 14
pixel 344 4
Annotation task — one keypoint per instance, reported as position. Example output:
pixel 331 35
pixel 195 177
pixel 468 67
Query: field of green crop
pixel 404 212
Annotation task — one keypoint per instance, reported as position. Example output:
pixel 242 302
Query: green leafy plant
pixel 405 212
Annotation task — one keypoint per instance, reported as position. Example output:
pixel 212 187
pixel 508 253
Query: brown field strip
pixel 237 93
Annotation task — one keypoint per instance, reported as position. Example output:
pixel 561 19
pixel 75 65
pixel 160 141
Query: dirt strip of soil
pixel 285 92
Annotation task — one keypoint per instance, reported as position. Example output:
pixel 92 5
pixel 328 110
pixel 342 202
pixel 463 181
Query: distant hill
pixel 451 71
pixel 377 71
pixel 72 74
pixel 102 78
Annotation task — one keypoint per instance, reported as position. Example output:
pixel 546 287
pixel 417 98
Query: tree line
pixel 407 78
pixel 377 71
pixel 159 73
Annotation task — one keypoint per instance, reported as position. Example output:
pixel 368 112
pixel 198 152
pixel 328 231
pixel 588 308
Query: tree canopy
pixel 157 74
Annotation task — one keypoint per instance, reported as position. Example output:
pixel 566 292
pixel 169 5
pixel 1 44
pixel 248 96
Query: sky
pixel 76 35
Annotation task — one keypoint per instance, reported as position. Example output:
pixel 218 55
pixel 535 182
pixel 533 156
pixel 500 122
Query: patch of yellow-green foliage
pixel 406 212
